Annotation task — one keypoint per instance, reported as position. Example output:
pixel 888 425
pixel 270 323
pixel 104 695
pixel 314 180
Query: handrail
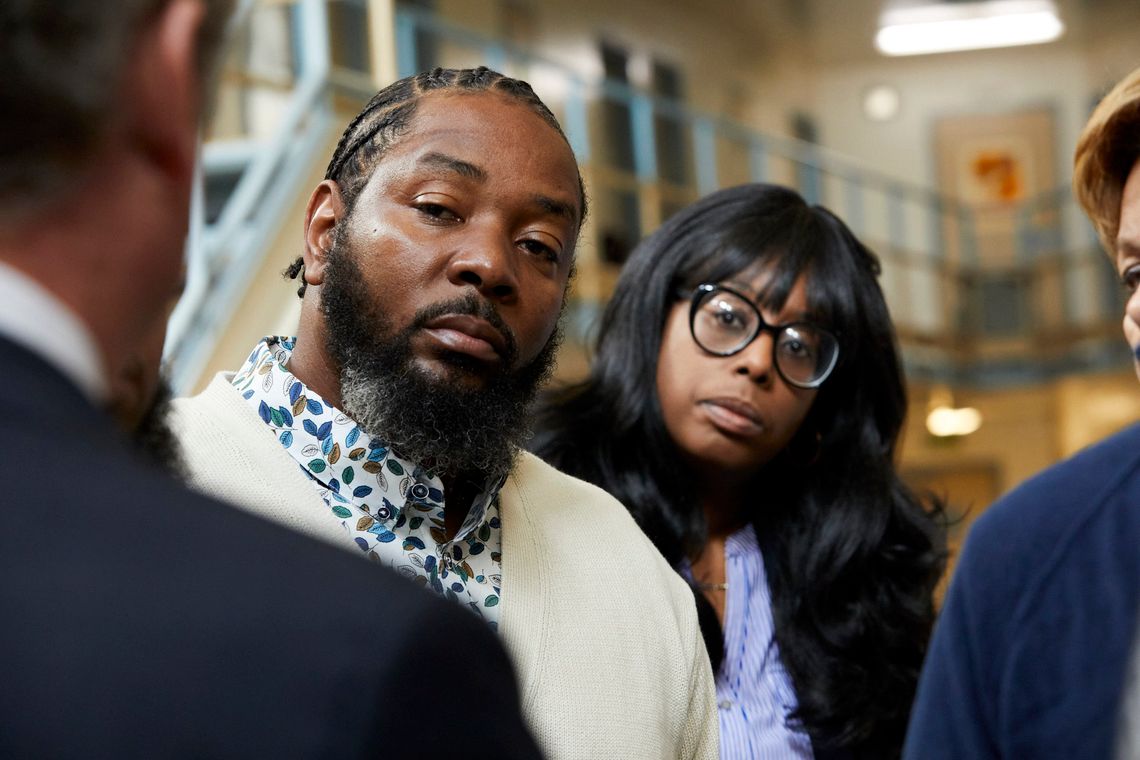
pixel 221 256
pixel 942 279
pixel 929 242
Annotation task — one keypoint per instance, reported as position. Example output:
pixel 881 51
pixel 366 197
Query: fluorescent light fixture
pixel 947 27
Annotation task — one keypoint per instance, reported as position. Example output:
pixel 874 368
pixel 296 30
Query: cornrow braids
pixel 387 117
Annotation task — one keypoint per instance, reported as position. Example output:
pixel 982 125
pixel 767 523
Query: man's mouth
pixel 468 335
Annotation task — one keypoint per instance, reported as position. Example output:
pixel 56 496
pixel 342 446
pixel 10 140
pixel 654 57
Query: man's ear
pixel 324 211
pixel 163 96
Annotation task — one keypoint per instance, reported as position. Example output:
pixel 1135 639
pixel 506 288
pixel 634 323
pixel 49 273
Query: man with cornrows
pixel 436 257
pixel 138 619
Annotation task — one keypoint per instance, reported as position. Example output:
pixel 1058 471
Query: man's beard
pixel 445 427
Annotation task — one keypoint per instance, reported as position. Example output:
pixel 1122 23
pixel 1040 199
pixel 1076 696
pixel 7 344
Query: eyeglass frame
pixel 699 293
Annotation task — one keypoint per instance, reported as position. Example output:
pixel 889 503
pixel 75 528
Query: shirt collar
pixel 742 542
pixel 31 316
pixel 330 447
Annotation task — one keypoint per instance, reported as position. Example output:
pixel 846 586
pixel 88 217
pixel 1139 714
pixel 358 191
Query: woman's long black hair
pixel 852 556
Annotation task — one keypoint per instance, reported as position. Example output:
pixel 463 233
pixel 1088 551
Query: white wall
pixel 933 87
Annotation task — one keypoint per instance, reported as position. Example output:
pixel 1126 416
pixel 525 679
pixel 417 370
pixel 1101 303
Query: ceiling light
pixel 881 102
pixel 944 420
pixel 948 27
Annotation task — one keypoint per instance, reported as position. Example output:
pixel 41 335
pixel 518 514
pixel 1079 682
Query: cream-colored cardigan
pixel 602 631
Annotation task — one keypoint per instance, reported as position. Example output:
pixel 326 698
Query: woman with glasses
pixel 744 404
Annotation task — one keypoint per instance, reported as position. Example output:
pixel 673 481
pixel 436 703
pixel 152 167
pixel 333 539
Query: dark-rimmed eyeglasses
pixel 724 322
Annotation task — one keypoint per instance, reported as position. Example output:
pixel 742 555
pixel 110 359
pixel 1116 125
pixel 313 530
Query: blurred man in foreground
pixel 136 619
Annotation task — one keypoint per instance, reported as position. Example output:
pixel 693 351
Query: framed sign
pixel 993 165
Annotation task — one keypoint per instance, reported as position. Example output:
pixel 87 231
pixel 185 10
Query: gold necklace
pixel 713 586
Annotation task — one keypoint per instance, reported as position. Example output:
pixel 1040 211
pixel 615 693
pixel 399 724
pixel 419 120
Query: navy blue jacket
pixel 1029 656
pixel 140 620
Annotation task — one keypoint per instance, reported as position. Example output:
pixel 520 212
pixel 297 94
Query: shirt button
pixel 420 491
pixel 725 704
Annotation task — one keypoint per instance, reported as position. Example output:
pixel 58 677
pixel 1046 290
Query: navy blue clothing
pixel 1029 655
pixel 140 620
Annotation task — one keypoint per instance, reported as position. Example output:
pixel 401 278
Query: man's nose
pixel 486 261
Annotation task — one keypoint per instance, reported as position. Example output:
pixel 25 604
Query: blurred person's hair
pixel 1108 148
pixel 62 64
pixel 388 115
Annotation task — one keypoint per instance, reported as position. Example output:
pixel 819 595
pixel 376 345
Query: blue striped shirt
pixel 754 691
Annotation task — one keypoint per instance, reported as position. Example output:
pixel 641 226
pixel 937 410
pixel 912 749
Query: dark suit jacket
pixel 140 620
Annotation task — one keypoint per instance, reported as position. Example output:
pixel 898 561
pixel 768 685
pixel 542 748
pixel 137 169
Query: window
pixel 674 155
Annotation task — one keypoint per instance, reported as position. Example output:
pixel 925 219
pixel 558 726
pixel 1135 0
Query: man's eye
pixel 437 211
pixel 538 248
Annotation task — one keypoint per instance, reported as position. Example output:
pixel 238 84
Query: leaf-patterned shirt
pixel 390 508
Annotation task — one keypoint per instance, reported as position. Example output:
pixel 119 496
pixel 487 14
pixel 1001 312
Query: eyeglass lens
pixel 725 323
